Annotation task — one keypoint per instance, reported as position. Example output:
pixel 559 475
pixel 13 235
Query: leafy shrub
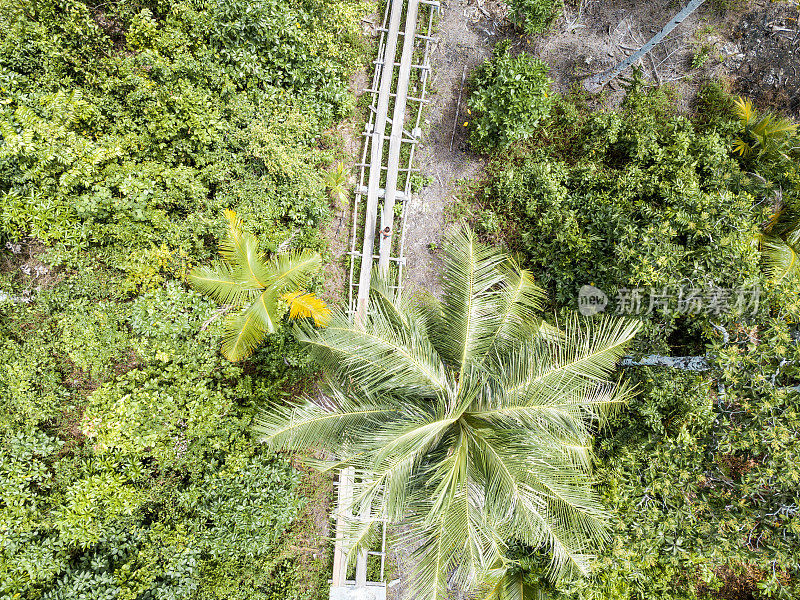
pixel 243 508
pixel 127 469
pixel 631 200
pixel 107 496
pixel 709 510
pixel 535 16
pixel 133 153
pixel 510 99
pixel 698 469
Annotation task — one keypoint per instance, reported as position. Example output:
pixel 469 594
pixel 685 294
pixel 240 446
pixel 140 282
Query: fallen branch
pixel 595 83
pixel 458 108
pixel 684 363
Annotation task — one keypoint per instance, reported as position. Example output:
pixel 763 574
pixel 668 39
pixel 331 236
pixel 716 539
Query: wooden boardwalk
pixel 399 84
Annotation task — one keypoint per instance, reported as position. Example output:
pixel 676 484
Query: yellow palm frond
pixel 742 147
pixel 304 304
pixel 743 108
pixel 770 126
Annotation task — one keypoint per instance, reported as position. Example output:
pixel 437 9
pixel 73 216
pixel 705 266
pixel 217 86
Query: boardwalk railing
pixel 399 84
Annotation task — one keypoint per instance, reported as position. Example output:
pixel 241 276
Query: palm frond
pixel 766 133
pixel 535 489
pixel 246 330
pixel 304 305
pixel 388 301
pixel 394 451
pixel 771 127
pixel 379 357
pixel 569 406
pixel 743 109
pixel 511 584
pixel 472 274
pixel 291 270
pixel 360 534
pixel 335 181
pixel 742 148
pixel 222 284
pixel 589 351
pixel 309 425
pixel 455 544
pixel 519 303
pixel 240 251
pixel 780 257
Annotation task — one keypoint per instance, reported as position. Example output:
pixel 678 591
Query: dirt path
pixel 466 37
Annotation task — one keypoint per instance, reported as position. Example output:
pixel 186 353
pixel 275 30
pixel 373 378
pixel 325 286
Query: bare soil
pixel 752 45
pixel 466 38
pixel 765 56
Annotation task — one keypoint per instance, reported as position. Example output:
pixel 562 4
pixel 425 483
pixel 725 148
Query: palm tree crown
pixel 253 284
pixel 471 417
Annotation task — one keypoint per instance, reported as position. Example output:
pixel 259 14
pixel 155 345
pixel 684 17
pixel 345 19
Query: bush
pixel 510 99
pixel 535 16
pixel 127 470
pixel 126 131
pixel 632 199
pixel 126 466
pixel 698 468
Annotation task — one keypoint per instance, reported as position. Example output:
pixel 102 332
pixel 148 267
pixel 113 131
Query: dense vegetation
pixel 535 16
pixel 127 468
pixel 701 468
pixel 128 465
pixel 510 100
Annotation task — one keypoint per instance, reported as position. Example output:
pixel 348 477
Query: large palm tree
pixel 252 284
pixel 471 418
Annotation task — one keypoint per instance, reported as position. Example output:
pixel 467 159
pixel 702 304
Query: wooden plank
pixel 376 158
pixel 363 555
pixel 345 497
pixel 396 137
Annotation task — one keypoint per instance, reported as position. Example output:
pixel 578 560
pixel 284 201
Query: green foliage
pixel 336 183
pixel 127 470
pixel 708 507
pixel 135 477
pixel 535 16
pixel 698 469
pixel 629 199
pixel 510 99
pixel 127 128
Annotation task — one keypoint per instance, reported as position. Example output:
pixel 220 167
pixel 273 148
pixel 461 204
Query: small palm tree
pixel 471 417
pixel 254 284
pixel 763 134
pixel 335 182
